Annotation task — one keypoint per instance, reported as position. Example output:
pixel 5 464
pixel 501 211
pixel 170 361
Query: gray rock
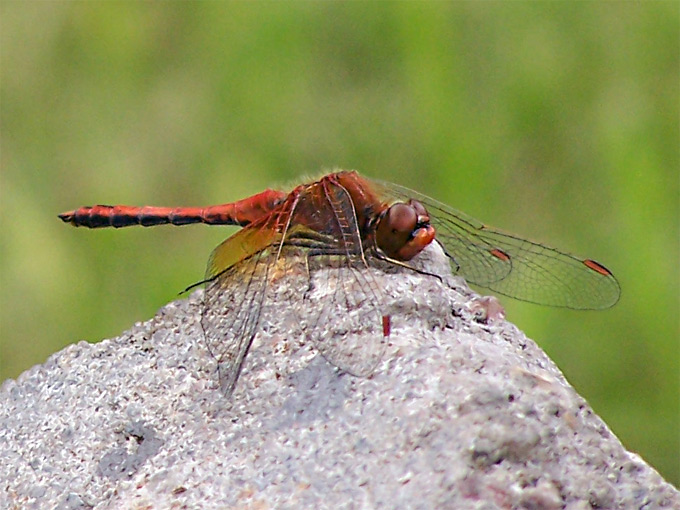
pixel 463 411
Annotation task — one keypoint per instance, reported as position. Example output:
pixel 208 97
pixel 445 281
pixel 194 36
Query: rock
pixel 463 411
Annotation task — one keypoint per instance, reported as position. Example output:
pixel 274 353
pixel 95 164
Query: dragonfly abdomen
pixel 242 212
pixel 124 216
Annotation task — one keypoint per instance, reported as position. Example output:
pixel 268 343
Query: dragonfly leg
pixel 385 258
pixel 450 257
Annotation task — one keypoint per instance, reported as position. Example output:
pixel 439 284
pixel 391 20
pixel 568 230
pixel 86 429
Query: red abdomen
pixel 240 213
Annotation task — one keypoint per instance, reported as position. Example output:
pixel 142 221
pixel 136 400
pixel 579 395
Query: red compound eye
pixel 404 230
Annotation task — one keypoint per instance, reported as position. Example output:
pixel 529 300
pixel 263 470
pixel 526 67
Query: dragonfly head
pixel 403 230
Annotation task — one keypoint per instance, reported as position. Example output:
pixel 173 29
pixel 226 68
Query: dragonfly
pixel 339 226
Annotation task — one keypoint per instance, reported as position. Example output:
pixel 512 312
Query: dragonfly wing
pixel 513 266
pixel 237 279
pixel 347 326
pixel 344 299
pixel 544 275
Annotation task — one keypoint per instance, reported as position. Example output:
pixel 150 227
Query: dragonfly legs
pixel 399 263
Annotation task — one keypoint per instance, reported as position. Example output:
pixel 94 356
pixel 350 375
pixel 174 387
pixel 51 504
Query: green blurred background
pixel 556 121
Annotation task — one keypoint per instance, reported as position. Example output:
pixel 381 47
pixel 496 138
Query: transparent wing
pixel 346 325
pixel 513 266
pixel 232 307
pixel 236 282
pixel 343 299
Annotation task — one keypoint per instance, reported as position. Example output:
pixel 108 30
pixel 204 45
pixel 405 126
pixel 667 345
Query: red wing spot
pixel 386 325
pixel 500 254
pixel 596 266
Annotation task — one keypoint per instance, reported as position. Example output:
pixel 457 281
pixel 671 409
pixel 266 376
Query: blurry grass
pixel 556 121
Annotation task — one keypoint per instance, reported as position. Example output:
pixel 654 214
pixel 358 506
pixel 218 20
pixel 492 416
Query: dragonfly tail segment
pixel 242 212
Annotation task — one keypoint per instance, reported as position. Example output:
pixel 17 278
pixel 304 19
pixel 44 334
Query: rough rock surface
pixel 463 412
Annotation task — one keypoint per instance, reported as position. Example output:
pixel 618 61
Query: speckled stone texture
pixel 463 412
